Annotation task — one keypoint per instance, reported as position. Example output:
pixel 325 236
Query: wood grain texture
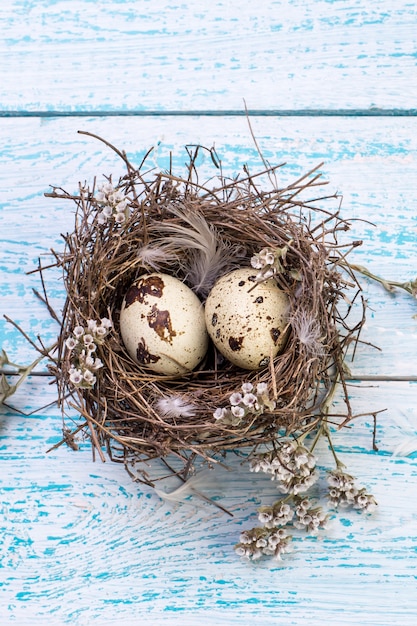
pixel 82 544
pixel 139 55
pixel 371 163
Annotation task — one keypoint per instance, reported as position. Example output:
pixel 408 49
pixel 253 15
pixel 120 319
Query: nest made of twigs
pixel 105 254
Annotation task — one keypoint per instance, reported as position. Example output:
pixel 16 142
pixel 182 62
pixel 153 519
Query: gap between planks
pixel 371 112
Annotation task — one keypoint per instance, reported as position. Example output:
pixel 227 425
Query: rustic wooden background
pixel 324 80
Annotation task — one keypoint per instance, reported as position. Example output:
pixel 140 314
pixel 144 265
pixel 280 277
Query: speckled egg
pixel 162 324
pixel 247 321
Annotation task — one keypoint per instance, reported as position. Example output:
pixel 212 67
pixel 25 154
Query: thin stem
pixel 319 433
pixel 338 462
pixel 7 390
pixel 410 286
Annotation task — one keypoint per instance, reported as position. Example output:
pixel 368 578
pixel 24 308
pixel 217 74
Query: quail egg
pixel 162 324
pixel 247 321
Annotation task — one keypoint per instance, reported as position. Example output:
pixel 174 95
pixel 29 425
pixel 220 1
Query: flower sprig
pixel 270 261
pixel 293 467
pixel 249 401
pixel 344 493
pixel 113 203
pixel 257 542
pixel 82 344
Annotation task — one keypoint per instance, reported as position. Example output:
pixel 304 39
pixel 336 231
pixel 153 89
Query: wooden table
pixel 324 81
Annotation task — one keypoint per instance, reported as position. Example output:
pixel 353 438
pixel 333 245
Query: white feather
pixel 308 332
pixel 205 480
pixel 406 447
pixel 175 406
pixel 406 424
pixel 153 257
pixel 208 256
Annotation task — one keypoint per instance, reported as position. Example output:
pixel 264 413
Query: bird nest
pixel 150 222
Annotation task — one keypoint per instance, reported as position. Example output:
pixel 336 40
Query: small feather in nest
pixel 207 256
pixel 154 257
pixel 308 332
pixel 175 406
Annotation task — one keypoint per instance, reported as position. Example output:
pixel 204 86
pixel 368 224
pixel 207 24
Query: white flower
pixel 256 262
pixel 303 505
pixel 91 325
pixel 113 197
pixel 88 339
pixel 121 206
pixel 83 345
pixel 265 257
pixel 310 518
pixel 70 343
pixel 219 413
pixel 106 323
pixel 100 332
pixel 78 331
pixel 119 218
pixel 89 377
pixel 89 361
pixel 261 388
pixel 249 399
pixel 277 537
pixel 283 514
pixel 106 189
pixel 76 376
pixel 364 501
pixel 247 387
pixel 235 399
pixel 344 493
pixel 238 411
pixel 114 204
pixel 268 258
pixel 261 542
pixel 265 515
pixel 292 466
pixel 265 275
pixel 106 212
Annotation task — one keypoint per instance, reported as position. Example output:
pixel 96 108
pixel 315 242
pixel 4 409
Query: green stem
pixel 7 390
pixel 319 433
pixel 324 425
pixel 409 286
pixel 338 462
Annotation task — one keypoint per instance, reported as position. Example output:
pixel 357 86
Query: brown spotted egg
pixel 246 321
pixel 162 324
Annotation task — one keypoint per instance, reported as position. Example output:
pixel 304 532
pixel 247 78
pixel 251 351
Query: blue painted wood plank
pixel 152 55
pixel 81 543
